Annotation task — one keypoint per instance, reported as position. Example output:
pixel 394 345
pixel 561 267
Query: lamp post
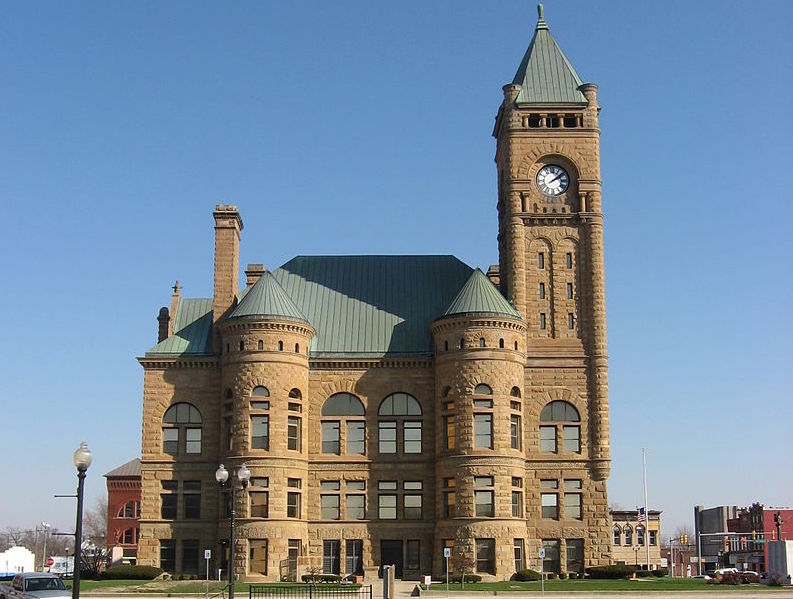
pixel 46 528
pixel 636 554
pixel 222 476
pixel 82 460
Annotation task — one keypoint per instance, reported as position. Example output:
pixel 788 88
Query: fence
pixel 310 591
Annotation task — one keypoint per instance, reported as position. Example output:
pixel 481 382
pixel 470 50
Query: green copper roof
pixel 479 296
pixel 267 299
pixel 192 330
pixel 545 75
pixel 372 305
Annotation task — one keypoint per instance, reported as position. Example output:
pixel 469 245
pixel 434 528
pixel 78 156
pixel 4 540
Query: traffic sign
pixel 50 561
pixel 447 552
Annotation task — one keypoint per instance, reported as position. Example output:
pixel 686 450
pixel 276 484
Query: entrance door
pixel 391 555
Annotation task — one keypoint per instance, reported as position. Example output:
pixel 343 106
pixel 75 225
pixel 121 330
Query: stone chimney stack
pixel 228 225
pixel 253 273
pixel 162 320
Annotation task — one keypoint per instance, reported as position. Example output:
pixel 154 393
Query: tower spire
pixel 541 24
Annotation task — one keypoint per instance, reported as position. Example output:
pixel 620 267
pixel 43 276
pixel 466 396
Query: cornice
pixel 490 321
pixel 354 363
pixel 162 362
pixel 242 324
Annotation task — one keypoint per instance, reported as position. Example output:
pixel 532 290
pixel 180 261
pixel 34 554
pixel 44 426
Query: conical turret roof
pixel 267 299
pixel 545 75
pixel 479 296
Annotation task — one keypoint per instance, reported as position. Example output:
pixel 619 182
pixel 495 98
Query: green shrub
pixel 312 578
pixel 526 575
pixel 643 573
pixel 572 575
pixel 132 572
pixel 468 578
pixel 661 572
pixel 552 575
pixel 563 575
pixel 613 571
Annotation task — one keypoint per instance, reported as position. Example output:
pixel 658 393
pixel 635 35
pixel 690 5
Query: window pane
pixel 486 555
pixel 448 431
pixel 514 431
pixel 193 440
pixel 551 561
pixel 449 504
pixel 259 504
pixel 550 505
pixel 343 404
pixel 616 536
pixel 168 506
pixel 548 439
pixel 356 507
pixel 412 437
pixel 190 556
pixel 483 481
pixel 387 507
pixel 575 555
pixel 170 440
pixel 192 506
pixel 484 503
pixel 413 555
pixel 330 557
pixel 293 505
pixel 356 485
pixel 483 430
pixel 518 552
pixel 387 437
pixel 413 507
pixel 330 507
pixel 293 433
pixel 572 441
pixel 330 437
pixel 572 505
pixel 258 556
pixel 517 504
pixel 260 432
pixel 353 556
pixel 355 438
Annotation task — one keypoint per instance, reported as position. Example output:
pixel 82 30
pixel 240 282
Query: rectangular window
pixel 575 555
pixel 260 405
pixel 517 504
pixel 260 432
pixel 448 432
pixel 356 443
pixel 192 499
pixel 330 507
pixel 569 260
pixel 330 437
pixel 484 503
pixel 572 505
pixel 260 504
pixel 449 504
pixel 551 561
pixel 353 556
pixel 569 291
pixel 483 403
pixel 514 431
pixel 227 426
pixel 518 550
pixel 413 554
pixel 257 556
pixel 572 438
pixel 355 485
pixel 294 437
pixel 548 439
pixel 294 483
pixel 356 507
pixel 542 290
pixel 514 405
pixel 192 440
pixel 190 556
pixel 170 440
pixel 542 321
pixel 412 504
pixel 387 507
pixel 168 555
pixel 387 485
pixel 653 538
pixel 292 505
pixel 260 481
pixel 168 500
pixel 570 320
pixel 412 437
pixel 293 406
pixel 483 430
pixel 387 437
pixel 486 555
pixel 541 260
pixel 549 501
pixel 330 557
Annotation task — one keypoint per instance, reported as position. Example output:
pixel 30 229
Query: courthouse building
pixel 390 406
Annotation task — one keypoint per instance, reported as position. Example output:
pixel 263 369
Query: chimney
pixel 253 273
pixel 162 319
pixel 175 297
pixel 228 225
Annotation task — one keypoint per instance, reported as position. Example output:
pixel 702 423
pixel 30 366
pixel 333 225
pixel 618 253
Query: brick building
pixel 123 512
pixel 630 538
pixel 390 406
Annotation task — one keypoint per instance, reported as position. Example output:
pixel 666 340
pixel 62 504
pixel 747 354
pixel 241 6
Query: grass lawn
pixel 166 587
pixel 646 584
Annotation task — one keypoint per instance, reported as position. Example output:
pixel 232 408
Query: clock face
pixel 553 180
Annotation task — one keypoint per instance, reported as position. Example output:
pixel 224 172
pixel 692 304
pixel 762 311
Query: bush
pixel 132 572
pixel 572 575
pixel 551 575
pixel 312 578
pixel 661 572
pixel 563 575
pixel 526 575
pixel 612 572
pixel 643 573
pixel 468 578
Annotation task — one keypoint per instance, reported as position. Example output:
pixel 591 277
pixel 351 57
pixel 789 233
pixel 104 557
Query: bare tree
pixel 463 558
pixel 95 523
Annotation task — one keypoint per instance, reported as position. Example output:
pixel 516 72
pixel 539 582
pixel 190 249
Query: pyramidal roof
pixel 479 296
pixel 545 75
pixel 267 299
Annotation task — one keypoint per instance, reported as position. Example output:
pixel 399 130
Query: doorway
pixel 391 554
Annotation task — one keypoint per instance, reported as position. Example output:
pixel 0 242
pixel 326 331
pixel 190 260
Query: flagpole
pixel 646 511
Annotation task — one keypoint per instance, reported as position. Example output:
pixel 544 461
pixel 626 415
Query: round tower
pixel 264 372
pixel 480 465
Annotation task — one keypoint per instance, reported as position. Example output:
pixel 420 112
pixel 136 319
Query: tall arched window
pixel 343 411
pixel 617 536
pixel 560 415
pixel 628 535
pixel 399 410
pixel 181 430
pixel 640 535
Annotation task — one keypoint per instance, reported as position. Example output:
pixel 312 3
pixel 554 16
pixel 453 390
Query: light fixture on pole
pixel 222 476
pixel 82 460
pixel 45 527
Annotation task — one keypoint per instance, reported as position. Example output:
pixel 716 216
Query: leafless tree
pixel 95 523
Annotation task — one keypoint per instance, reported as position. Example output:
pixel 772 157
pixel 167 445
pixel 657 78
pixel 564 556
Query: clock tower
pixel 550 238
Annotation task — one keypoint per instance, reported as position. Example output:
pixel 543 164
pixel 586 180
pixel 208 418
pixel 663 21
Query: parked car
pixel 35 585
pixel 750 576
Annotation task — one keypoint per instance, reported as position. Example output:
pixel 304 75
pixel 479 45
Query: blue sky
pixel 361 127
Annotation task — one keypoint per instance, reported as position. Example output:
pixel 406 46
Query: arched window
pixel 297 348
pixel 131 509
pixel 481 342
pixel 280 346
pixel 462 343
pixel 564 416
pixel 640 535
pixel 343 411
pixel 516 346
pixel 617 538
pixel 261 344
pixel 515 392
pixel 628 535
pixel 181 430
pixel 242 346
pixel 295 394
pixel 399 410
pixel 482 389
pixel 445 346
pixel 501 343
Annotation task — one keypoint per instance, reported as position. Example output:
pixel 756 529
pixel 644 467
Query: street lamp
pixel 82 460
pixel 222 476
pixel 46 529
pixel 636 554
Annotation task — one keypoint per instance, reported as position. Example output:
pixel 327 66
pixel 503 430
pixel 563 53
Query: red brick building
pixel 123 512
pixel 753 527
